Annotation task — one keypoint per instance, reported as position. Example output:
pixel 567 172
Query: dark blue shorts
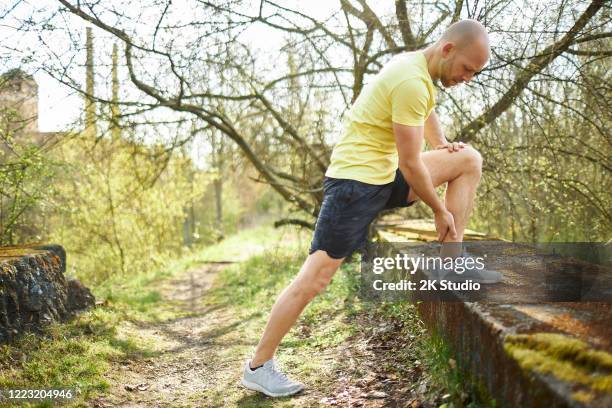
pixel 348 208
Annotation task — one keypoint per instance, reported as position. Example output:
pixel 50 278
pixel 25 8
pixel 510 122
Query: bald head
pixel 465 33
pixel 461 52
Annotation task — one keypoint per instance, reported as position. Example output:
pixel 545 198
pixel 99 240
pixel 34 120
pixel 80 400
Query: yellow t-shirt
pixel 402 92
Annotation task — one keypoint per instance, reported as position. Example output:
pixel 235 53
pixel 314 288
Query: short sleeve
pixel 409 103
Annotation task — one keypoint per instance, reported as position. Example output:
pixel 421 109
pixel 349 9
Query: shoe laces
pixel 272 371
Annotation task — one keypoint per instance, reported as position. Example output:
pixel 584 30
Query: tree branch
pixel 294 221
pixel 215 119
pixel 370 19
pixel 401 12
pixel 534 67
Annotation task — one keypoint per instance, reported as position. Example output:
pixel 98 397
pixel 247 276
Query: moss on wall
pixel 566 358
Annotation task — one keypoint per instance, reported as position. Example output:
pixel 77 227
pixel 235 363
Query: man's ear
pixel 447 48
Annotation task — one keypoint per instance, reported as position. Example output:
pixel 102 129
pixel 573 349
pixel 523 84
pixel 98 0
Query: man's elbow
pixel 410 166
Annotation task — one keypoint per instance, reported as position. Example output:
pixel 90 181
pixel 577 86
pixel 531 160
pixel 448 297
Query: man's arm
pixel 409 141
pixel 435 135
pixel 433 131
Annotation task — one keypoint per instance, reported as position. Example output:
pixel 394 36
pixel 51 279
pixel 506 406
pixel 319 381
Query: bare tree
pixel 269 109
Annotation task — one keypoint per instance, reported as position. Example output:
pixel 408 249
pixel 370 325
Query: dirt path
pixel 196 360
pixel 185 350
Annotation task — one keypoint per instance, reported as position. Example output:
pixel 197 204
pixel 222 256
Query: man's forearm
pixel 417 176
pixel 434 135
pixel 435 139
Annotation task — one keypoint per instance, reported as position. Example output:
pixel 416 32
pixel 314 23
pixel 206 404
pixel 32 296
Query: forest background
pixel 197 119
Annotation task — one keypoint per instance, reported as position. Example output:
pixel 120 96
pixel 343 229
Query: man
pixel 379 164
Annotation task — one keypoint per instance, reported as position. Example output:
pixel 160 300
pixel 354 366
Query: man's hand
pixel 445 225
pixel 452 146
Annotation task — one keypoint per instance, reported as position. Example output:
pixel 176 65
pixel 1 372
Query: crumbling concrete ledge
pixel 528 355
pixel 522 360
pixel 34 291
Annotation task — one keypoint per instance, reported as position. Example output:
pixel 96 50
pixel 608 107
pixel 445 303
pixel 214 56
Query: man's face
pixel 459 65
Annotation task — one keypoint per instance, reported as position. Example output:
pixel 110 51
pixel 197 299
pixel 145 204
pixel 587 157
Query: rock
pixel 377 395
pixel 79 296
pixel 328 401
pixel 136 387
pixel 34 291
pixel 422 388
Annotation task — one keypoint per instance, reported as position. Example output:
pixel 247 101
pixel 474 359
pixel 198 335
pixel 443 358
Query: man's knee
pixel 315 283
pixel 472 160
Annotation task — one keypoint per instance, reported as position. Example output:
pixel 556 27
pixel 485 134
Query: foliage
pixel 109 212
pixel 539 111
pixel 24 174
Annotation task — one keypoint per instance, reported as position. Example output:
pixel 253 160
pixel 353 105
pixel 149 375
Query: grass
pixel 252 288
pixel 81 353
pixel 430 350
pixel 465 390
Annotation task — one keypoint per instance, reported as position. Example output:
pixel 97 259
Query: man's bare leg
pixel 315 274
pixel 462 171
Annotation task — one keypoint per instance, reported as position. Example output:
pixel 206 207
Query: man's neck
pixel 433 65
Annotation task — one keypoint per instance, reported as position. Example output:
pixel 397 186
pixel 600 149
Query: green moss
pixel 14 252
pixel 582 396
pixel 564 357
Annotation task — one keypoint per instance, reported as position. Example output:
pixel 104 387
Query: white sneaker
pixel 269 380
pixel 485 276
pixel 481 276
